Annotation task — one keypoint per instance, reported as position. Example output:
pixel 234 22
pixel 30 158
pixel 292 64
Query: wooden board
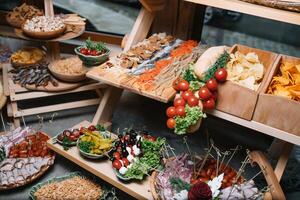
pixel 70 33
pixel 253 9
pixel 62 86
pixel 103 169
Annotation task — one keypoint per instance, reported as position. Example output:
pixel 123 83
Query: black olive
pixel 120 136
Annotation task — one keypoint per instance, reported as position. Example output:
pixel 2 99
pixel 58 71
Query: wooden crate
pixel 103 169
pixel 276 111
pixel 238 100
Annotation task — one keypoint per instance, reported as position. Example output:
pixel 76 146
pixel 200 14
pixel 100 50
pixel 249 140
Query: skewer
pixel 233 153
pixel 3 124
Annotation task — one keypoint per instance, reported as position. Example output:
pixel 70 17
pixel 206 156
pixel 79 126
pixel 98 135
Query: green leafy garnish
pixel 86 146
pixel 178 184
pixel 190 76
pixel 193 114
pixel 98 46
pixel 100 128
pixel 220 63
pixel 149 161
pixel 66 143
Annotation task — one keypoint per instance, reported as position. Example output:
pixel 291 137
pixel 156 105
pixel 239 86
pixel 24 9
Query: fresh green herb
pixel 196 85
pixel 86 146
pixel 100 128
pixel 220 63
pixel 98 46
pixel 178 184
pixel 149 161
pixel 2 154
pixel 189 74
pixel 193 114
pixel 66 143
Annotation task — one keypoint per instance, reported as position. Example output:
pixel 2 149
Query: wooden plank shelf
pixel 253 9
pixel 282 135
pixel 103 169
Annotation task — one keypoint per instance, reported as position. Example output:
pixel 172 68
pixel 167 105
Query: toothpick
pixel 23 119
pixel 233 153
pixel 52 117
pixel 3 124
pixel 204 160
pixel 187 145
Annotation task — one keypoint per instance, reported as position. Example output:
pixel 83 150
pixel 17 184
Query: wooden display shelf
pixel 103 169
pixel 253 9
pixel 276 133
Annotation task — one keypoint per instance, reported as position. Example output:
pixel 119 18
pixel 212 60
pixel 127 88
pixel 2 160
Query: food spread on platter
pixel 21 13
pixel 245 70
pixel 150 67
pixel 143 51
pixel 44 24
pixel 73 19
pixel 287 82
pixel 38 75
pixel 95 142
pixel 197 90
pixel 177 181
pixel 68 138
pixel 27 56
pixel 69 66
pixel 65 188
pixel 24 156
pixel 136 154
pixel 93 48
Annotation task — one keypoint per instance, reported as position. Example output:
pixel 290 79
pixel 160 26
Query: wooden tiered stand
pixel 18 94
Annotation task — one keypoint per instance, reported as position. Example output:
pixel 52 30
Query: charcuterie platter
pixel 24 157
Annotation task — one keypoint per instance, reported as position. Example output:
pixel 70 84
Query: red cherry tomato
pixel 92 128
pixel 175 84
pixel 193 101
pixel 125 162
pixel 212 84
pixel 221 75
pixel 209 104
pixel 214 95
pixel 117 164
pixel 93 52
pixel 204 93
pixel 171 112
pixel 183 85
pixel 72 137
pixel 180 111
pixel 171 123
pixel 83 51
pixel 186 94
pixel 179 102
pixel 117 155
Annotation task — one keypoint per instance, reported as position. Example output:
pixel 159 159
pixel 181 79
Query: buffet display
pixel 240 80
pixel 24 156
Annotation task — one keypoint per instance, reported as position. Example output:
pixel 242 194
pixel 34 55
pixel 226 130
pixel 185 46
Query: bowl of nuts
pixel 42 27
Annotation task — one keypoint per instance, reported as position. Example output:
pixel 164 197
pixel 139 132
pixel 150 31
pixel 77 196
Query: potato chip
pixel 245 70
pixel 287 82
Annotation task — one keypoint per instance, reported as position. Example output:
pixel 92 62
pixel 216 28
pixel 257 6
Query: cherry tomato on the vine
pixel 179 102
pixel 171 112
pixel 180 111
pixel 183 85
pixel 204 93
pixel 212 84
pixel 193 101
pixel 187 94
pixel 171 123
pixel 221 75
pixel 209 104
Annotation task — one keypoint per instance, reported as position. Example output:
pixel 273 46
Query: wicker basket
pixel 280 4
pixel 256 158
